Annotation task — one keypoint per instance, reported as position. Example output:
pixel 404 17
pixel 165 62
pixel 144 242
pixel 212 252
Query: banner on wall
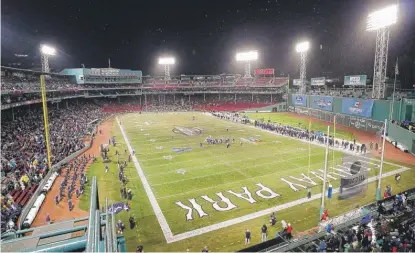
pixel 358 123
pixel 297 82
pixel 300 100
pixel 318 81
pixel 322 103
pixel 357 107
pixel 264 72
pixel 359 80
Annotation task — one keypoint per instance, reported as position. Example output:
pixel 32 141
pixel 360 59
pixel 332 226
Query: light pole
pixel 302 48
pixel 166 62
pixel 380 21
pixel 45 52
pixel 247 58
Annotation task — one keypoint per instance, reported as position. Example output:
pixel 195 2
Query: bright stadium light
pixel 167 61
pixel 382 18
pixel 380 21
pixel 302 47
pixel 45 52
pixel 247 57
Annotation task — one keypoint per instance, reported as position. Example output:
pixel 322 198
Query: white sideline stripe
pixel 154 204
pixel 258 214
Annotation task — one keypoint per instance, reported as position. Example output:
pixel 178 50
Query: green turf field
pixel 288 119
pixel 200 174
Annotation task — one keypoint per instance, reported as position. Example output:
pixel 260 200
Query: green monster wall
pixel 402 110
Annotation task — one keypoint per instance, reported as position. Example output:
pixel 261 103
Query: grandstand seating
pixel 263 81
pixel 244 81
pixel 229 106
pixel 121 108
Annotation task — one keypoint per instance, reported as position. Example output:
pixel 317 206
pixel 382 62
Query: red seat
pixel 17 194
pixel 13 192
pixel 34 187
pixel 25 200
pixel 20 198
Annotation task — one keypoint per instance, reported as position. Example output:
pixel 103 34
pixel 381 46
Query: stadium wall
pixel 403 136
pixel 381 109
pixel 280 107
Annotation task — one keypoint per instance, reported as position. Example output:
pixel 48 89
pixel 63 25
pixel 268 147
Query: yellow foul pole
pixel 45 119
pixel 334 141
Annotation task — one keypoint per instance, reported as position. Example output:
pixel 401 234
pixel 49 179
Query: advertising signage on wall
pixel 264 72
pixel 322 103
pixel 318 81
pixel 359 80
pixel 357 107
pixel 341 119
pixel 299 100
pixel 297 82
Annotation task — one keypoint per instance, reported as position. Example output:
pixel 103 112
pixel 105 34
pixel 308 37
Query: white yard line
pixel 168 235
pixel 237 181
pixel 258 214
pixel 236 170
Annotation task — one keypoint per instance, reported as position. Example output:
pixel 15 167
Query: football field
pixel 188 192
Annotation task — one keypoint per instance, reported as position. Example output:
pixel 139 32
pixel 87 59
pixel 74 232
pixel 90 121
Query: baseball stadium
pixel 117 160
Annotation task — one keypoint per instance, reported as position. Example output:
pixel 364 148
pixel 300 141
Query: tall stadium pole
pixel 247 58
pixel 167 72
pixel 45 119
pixel 380 21
pixel 323 193
pixel 247 69
pixel 44 58
pixel 394 87
pixel 166 62
pixel 381 62
pixel 378 190
pixel 302 48
pixel 45 52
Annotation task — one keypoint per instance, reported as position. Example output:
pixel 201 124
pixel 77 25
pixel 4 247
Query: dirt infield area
pixel 391 153
pixel 61 211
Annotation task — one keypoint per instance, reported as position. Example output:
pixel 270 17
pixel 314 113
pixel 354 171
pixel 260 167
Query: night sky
pixel 205 35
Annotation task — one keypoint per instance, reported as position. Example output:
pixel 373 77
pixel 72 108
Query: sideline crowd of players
pixel 303 134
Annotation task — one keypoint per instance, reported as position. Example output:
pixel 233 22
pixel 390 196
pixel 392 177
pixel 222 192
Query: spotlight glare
pixel 302 47
pixel 382 18
pixel 47 50
pixel 167 61
pixel 247 56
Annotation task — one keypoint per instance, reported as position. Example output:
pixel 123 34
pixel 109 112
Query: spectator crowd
pixel 23 152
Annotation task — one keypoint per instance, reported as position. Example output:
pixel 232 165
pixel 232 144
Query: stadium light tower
pixel 380 21
pixel 302 48
pixel 166 62
pixel 45 52
pixel 247 57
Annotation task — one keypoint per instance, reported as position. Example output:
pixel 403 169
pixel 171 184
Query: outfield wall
pixel 351 109
pixel 280 107
pixel 363 124
pixel 404 137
